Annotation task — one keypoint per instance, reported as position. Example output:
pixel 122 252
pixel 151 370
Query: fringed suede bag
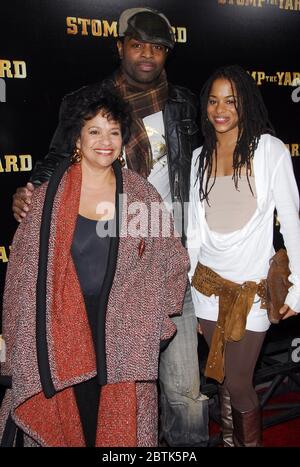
pixel 277 284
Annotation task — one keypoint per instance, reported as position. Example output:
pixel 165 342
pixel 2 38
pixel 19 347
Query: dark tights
pixel 240 361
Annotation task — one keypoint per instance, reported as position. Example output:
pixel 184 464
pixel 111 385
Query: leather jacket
pixel 181 133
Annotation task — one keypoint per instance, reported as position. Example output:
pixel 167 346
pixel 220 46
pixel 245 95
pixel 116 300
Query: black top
pixel 90 252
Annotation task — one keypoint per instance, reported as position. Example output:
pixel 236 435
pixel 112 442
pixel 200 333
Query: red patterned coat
pixel 148 286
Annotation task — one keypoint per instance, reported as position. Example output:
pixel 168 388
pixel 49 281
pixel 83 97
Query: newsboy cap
pixel 147 25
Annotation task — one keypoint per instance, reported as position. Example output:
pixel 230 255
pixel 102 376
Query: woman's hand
pixel 287 312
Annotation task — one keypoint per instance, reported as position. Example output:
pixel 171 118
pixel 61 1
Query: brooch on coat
pixel 141 248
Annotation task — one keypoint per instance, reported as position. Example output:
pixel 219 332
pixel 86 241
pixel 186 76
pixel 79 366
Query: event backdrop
pixel 51 47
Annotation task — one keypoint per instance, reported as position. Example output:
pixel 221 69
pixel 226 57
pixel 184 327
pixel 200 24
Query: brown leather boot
pixel 226 416
pixel 247 428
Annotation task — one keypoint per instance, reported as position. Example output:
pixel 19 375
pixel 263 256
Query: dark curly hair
pixel 87 102
pixel 253 122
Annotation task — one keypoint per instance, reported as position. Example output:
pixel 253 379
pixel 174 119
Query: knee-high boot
pixel 226 416
pixel 247 427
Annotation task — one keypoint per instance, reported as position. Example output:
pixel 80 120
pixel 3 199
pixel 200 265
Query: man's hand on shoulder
pixel 21 201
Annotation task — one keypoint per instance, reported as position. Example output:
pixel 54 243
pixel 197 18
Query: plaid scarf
pixel 142 103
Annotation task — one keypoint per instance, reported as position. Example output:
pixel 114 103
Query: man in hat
pixel 164 134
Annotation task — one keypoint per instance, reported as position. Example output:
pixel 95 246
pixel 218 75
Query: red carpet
pixel 285 434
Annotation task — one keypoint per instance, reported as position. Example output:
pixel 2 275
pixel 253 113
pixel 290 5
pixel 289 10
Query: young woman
pixel 88 296
pixel 238 177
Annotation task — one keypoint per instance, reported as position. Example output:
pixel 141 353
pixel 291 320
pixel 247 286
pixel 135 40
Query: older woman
pixel 88 292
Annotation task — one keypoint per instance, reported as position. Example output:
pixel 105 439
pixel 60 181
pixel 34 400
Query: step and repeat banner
pixel 51 47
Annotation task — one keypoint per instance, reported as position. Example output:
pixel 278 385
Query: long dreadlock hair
pixel 253 121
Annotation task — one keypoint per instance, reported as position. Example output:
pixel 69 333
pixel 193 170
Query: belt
pixel 235 302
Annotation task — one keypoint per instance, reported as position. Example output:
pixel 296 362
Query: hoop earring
pixel 76 156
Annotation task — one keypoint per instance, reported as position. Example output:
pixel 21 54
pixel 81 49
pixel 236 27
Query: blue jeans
pixel 184 410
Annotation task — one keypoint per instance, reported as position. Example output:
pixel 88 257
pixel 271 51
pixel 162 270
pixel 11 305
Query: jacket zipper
pixel 175 192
